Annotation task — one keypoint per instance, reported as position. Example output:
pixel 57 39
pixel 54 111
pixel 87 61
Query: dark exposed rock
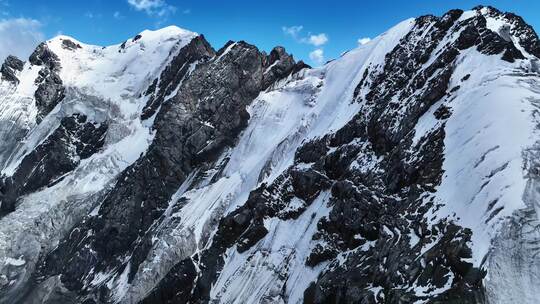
pixel 50 89
pixel 192 128
pixel 70 45
pixel 367 218
pixel 308 183
pixel 278 65
pixel 443 112
pixel 487 42
pixel 349 283
pixel 43 56
pixel 75 139
pixel 49 93
pixel 417 92
pixel 300 65
pixel 14 63
pixel 311 152
pixel 372 225
pixel 175 289
pixel 9 68
pixel 526 35
pixel 197 51
pixel 256 232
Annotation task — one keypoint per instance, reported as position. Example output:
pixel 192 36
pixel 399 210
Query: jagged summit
pixel 160 170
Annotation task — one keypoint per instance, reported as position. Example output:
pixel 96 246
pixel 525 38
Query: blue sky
pixel 312 30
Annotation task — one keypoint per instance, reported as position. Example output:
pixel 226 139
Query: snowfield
pixel 105 84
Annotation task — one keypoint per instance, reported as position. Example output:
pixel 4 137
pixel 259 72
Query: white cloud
pixel 118 15
pixel 292 31
pixel 91 15
pixel 146 5
pixel 19 37
pixel 3 8
pixel 317 40
pixel 166 10
pixel 295 31
pixel 154 8
pixel 317 56
pixel 364 40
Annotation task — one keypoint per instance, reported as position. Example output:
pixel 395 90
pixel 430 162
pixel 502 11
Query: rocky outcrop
pixel 196 52
pixel 516 27
pixel 75 139
pixel 50 90
pixel 70 45
pixel 10 66
pixel 279 65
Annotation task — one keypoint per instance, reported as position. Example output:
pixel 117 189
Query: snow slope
pixel 307 105
pixel 105 84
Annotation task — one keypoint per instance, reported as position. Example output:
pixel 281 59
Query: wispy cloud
pixel 19 37
pixel 117 15
pixel 153 8
pixel 150 6
pixel 91 15
pixel 295 32
pixel 317 56
pixel 317 40
pixel 364 40
pixel 4 4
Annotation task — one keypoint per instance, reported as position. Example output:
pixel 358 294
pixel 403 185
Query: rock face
pixel 50 90
pixel 75 139
pixel 189 133
pixel 10 66
pixel 401 172
pixel 198 50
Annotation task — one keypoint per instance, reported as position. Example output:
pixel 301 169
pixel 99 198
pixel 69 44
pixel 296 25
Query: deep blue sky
pixel 258 22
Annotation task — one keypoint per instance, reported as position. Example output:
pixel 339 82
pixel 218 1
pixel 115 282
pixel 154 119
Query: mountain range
pixel 162 170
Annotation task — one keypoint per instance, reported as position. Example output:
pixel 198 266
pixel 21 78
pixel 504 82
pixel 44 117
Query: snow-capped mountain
pixel 161 170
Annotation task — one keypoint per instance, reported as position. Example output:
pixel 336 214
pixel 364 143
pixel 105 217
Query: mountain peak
pixel 171 30
pixel 160 35
pixel 63 37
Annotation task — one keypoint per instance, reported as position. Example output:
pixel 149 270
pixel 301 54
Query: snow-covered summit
pixel 114 77
pixel 121 70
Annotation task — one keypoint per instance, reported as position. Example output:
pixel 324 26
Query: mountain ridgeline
pixel 163 171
